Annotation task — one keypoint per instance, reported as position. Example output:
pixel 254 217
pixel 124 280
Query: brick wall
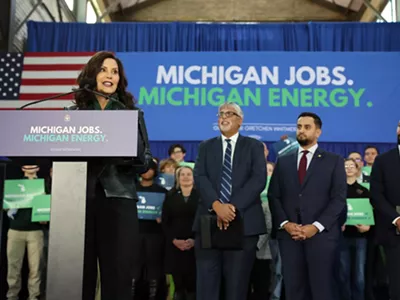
pixel 231 10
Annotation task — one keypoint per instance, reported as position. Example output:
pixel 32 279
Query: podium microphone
pixel 85 85
pixel 73 91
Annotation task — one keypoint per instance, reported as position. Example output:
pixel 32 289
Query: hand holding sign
pixel 363 228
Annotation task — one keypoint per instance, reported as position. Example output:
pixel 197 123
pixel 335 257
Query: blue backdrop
pixel 184 89
pixel 127 37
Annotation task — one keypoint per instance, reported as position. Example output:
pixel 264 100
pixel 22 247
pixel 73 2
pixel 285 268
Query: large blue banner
pixel 356 94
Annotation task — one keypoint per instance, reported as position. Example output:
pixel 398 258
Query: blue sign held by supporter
pixel 167 181
pixel 149 205
pixel 284 146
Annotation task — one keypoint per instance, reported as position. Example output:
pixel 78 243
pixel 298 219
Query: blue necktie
pixel 226 178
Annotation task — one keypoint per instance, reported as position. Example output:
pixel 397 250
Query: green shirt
pixel 109 105
pixel 264 193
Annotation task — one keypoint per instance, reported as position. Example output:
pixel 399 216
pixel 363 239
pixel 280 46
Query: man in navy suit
pixel 230 174
pixel 307 197
pixel 385 198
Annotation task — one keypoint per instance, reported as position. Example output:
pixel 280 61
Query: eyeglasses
pixel 349 167
pixel 226 114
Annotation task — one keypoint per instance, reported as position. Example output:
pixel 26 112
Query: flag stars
pixel 10 75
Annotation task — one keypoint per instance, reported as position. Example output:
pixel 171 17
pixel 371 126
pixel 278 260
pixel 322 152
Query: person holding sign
pixel 178 214
pixel 353 252
pixel 385 198
pixel 24 234
pixel 150 252
pixel 111 214
pixel 307 197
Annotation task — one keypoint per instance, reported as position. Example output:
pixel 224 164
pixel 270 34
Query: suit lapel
pixel 316 159
pixel 295 174
pixel 236 156
pixel 218 159
pixel 396 160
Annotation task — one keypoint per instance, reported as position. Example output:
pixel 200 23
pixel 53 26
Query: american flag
pixel 37 75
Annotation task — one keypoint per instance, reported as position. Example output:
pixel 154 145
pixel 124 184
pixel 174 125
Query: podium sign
pixel 68 133
pixel 69 138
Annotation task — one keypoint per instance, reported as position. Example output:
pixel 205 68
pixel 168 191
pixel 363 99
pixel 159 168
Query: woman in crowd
pixel 353 251
pixel 111 215
pixel 149 259
pixel 178 214
pixel 168 166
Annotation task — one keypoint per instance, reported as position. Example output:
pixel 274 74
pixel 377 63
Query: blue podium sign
pixel 68 133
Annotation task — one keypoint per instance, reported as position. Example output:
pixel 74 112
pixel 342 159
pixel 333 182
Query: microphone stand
pixel 142 125
pixel 50 98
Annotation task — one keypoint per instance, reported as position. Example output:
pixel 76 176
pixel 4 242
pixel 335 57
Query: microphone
pixel 73 91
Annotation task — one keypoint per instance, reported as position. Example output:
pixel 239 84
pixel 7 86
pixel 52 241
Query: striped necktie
pixel 226 178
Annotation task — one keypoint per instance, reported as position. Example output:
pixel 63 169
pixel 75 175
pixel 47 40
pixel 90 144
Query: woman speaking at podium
pixel 111 213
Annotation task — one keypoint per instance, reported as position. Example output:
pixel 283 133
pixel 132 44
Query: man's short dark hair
pixel 317 119
pixel 172 148
pixel 371 147
pixel 354 152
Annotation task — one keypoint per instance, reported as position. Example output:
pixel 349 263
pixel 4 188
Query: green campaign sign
pixel 359 212
pixel 41 208
pixel 367 170
pixel 366 185
pixel 20 193
pixel 186 164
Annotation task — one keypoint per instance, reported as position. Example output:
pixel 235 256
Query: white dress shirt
pixel 233 142
pixel 395 220
pixel 310 155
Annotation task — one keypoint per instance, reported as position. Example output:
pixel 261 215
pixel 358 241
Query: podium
pixel 68 139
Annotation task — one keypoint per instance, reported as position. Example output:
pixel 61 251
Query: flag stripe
pixel 50 74
pixel 76 60
pixel 32 108
pixel 9 104
pixel 58 54
pixel 72 67
pixel 43 96
pixel 36 89
pixel 56 81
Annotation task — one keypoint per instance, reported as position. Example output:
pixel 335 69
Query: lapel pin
pixel 319 155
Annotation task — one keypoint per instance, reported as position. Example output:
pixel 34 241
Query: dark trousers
pixel 260 280
pixel 393 267
pixel 233 266
pixel 185 283
pixel 110 237
pixel 353 256
pixel 308 267
pixel 149 257
pixel 376 277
